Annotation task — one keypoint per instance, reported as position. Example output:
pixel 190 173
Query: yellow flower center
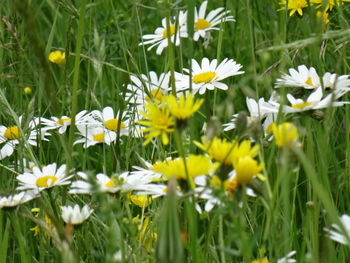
pixel 112 124
pixel 172 31
pixel 204 77
pixel 302 105
pixel 201 24
pixel 156 95
pixel 63 121
pixel 12 133
pixel 110 184
pixel 99 137
pixel 309 81
pixel 46 181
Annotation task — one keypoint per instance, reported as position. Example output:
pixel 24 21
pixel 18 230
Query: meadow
pixel 174 131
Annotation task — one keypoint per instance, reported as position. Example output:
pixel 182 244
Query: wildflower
pixel 294 6
pixel 286 134
pixel 110 121
pixel 262 260
pixel 146 235
pixel 323 16
pixel 337 234
pixel 58 57
pixel 335 82
pixel 205 23
pixel 208 75
pixel 27 90
pixel 218 149
pixel 74 215
pixel 46 224
pixel 303 77
pixel 158 122
pixel 17 199
pixel 160 36
pixel 93 135
pixel 288 258
pixel 328 4
pixel 63 122
pixel 12 135
pixel 104 184
pixel 43 178
pixel 246 168
pixel 184 107
pixel 245 148
pixel 196 165
pixel 141 201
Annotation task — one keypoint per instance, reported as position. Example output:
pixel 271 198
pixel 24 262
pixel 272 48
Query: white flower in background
pixel 207 75
pixel 257 112
pixel 206 23
pixel 43 178
pixel 160 37
pixel 17 199
pixel 12 135
pixel 103 182
pixel 288 258
pixel 335 82
pixel 93 135
pixel 74 215
pixel 107 119
pixel 337 234
pixel 63 122
pixel 303 77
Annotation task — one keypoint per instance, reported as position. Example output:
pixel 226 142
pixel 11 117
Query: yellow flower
pixel 263 260
pixel 294 6
pixel 246 168
pixel 27 90
pixel 328 4
pixel 58 57
pixel 183 108
pixel 146 236
pixel 159 122
pixel 245 149
pixel 218 149
pixel 141 201
pixel 286 134
pixel 196 165
pixel 323 16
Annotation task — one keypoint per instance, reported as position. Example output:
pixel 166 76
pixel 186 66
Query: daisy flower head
pixel 110 121
pixel 293 6
pixel 74 215
pixel 183 107
pixel 304 77
pixel 58 57
pixel 335 82
pixel 42 178
pixel 92 135
pixel 337 234
pixel 11 136
pixel 205 23
pixel 62 123
pixel 177 30
pixel 208 75
pixel 158 121
pixel 17 199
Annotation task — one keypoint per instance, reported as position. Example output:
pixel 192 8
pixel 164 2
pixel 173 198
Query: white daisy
pixel 12 135
pixel 208 75
pixel 288 258
pixel 17 199
pixel 110 121
pixel 104 184
pixel 337 234
pixel 303 77
pixel 74 215
pixel 43 178
pixel 93 135
pixel 205 23
pixel 335 82
pixel 63 122
pixel 160 36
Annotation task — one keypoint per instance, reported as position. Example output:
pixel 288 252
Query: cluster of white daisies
pixel 203 25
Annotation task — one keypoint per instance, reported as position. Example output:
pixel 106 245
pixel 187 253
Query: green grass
pixel 307 189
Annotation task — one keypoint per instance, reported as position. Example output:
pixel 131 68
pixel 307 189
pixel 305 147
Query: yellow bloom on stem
pixel 196 165
pixel 184 107
pixel 218 149
pixel 246 168
pixel 294 6
pixel 58 57
pixel 158 122
pixel 286 134
pixel 328 4
pixel 141 201
pixel 244 149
